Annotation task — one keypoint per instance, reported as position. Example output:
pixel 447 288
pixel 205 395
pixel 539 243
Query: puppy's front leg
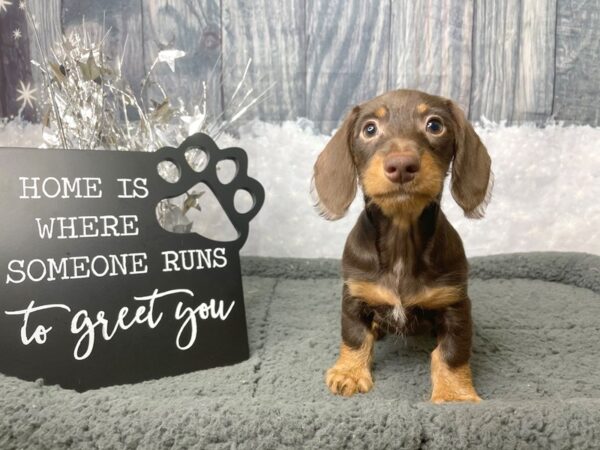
pixel 450 370
pixel 352 371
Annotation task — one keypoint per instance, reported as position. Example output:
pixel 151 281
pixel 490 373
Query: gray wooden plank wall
pixel 513 60
pixel 577 80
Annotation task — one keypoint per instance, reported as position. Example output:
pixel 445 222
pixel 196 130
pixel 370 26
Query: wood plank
pixel 123 18
pixel 578 62
pixel 273 35
pixel 194 27
pixel 513 60
pixel 430 47
pixel 495 55
pixel 15 67
pixel 347 56
pixel 534 87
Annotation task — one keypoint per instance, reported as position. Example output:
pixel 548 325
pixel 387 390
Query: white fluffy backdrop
pixel 546 194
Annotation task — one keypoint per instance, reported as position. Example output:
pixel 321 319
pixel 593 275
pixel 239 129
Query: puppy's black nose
pixel 401 167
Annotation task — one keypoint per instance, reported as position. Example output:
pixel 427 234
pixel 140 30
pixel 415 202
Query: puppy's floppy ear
pixel 472 178
pixel 334 177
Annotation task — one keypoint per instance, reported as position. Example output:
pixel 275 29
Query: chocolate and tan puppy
pixel 404 265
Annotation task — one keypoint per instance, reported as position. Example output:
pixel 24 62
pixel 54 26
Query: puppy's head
pixel 399 147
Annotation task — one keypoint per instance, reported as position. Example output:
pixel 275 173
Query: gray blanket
pixel 536 362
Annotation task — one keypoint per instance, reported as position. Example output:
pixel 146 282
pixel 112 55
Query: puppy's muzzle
pixel 401 167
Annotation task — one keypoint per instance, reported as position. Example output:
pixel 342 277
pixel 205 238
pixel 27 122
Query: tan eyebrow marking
pixel 422 108
pixel 380 112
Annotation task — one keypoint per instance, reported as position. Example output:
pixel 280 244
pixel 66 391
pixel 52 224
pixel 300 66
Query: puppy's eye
pixel 434 126
pixel 370 129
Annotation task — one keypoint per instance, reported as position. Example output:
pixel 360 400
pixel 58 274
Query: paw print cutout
pixel 197 170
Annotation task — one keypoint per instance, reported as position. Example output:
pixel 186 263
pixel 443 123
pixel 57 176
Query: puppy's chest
pixel 400 321
pixel 402 278
pixel 402 281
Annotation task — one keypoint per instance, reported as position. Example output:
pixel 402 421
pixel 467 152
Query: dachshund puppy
pixel 404 265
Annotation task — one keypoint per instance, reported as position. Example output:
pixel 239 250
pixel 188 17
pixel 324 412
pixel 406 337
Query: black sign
pixel 94 292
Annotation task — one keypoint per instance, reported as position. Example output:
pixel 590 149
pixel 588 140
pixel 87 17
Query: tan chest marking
pixel 374 294
pixel 435 297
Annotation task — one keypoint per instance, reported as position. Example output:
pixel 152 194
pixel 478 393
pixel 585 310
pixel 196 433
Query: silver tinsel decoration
pixel 87 103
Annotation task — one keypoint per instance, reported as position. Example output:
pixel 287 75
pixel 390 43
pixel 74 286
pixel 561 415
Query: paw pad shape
pixel 196 161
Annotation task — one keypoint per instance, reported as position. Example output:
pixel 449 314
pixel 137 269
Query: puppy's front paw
pixel 347 381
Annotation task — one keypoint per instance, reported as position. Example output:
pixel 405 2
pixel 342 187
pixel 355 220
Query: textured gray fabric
pixel 536 363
